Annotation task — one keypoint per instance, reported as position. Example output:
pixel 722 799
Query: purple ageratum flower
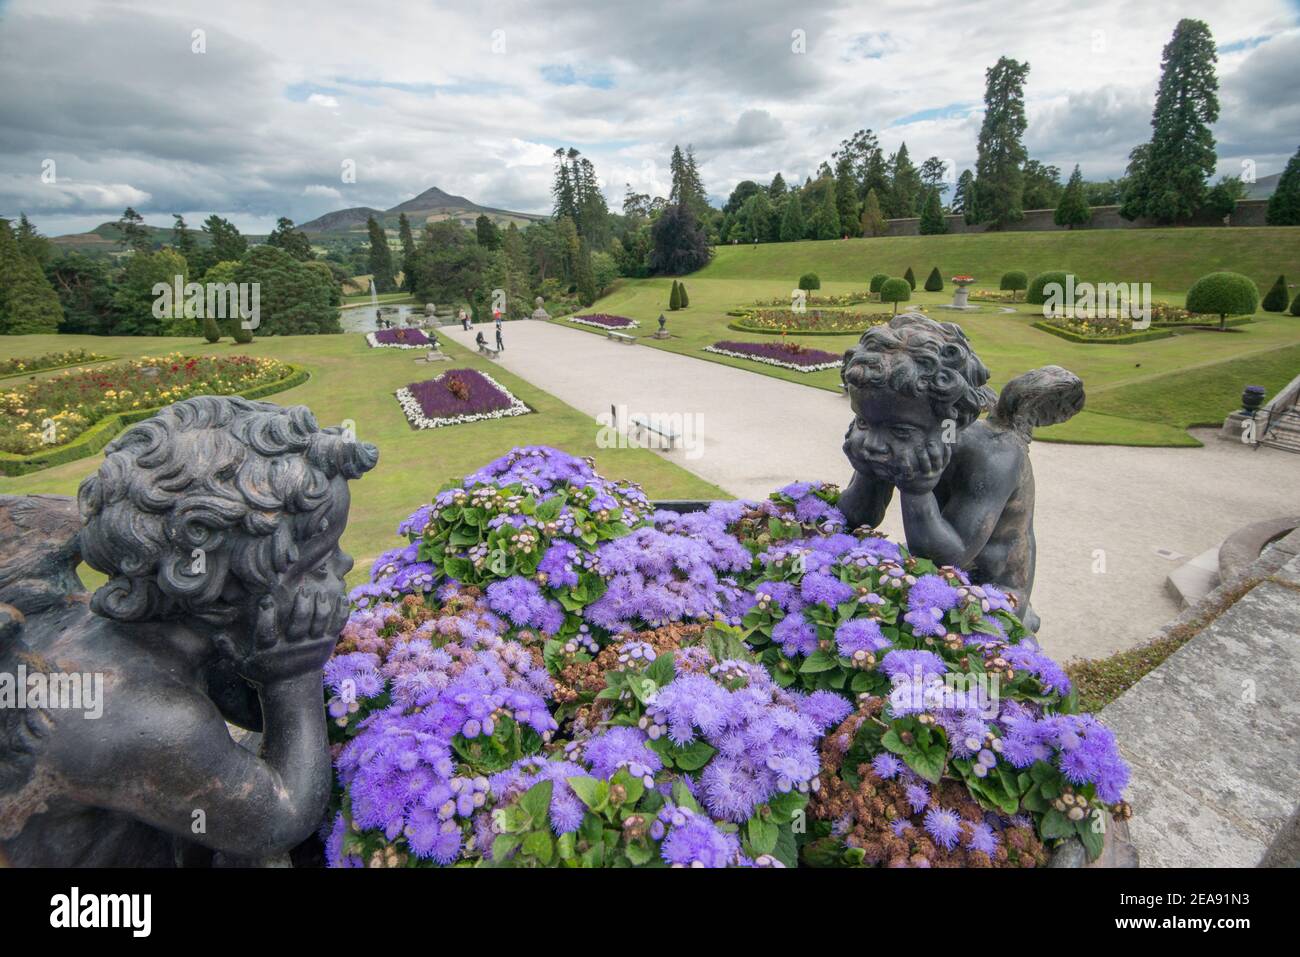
pixel 824 708
pixel 334 856
pixel 558 564
pixel 819 588
pixel 1028 656
pixel 795 636
pixel 980 837
pixel 697 842
pixel 905 664
pixel 926 621
pixel 522 601
pixel 931 591
pixel 886 765
pixel 1089 753
pixel 416 522
pixel 622 747
pixel 860 634
pixel 566 809
pixel 944 826
pixel 918 796
pixel 783 594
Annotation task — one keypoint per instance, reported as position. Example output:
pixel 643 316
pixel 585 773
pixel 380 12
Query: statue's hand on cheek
pixel 297 643
pixel 929 460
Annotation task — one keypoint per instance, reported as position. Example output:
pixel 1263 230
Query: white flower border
pixel 415 415
pixel 774 362
pixel 376 344
pixel 632 324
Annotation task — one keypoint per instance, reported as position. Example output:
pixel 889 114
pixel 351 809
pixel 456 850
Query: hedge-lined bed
pixel 1145 335
pixel 93 439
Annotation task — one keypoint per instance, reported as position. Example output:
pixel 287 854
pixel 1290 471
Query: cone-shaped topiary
pixel 910 277
pixel 1276 299
pixel 877 281
pixel 934 282
pixel 681 290
pixel 809 281
pixel 675 298
pixel 241 335
pixel 211 331
pixel 1295 305
pixel 895 291
pixel 1013 281
pixel 1223 294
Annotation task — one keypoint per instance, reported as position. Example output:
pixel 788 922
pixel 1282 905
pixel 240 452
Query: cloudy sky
pixel 258 114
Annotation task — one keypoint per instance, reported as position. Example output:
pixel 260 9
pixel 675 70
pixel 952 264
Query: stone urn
pixel 1252 397
pixel 540 312
pixel 961 294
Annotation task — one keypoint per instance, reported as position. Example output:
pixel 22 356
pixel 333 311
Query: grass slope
pixel 1170 259
pixel 351 381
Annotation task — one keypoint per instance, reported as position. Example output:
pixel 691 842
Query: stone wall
pixel 1249 212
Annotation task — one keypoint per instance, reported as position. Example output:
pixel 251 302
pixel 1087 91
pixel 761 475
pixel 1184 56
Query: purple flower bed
pixel 605 321
pixel 397 339
pixel 456 396
pixel 788 355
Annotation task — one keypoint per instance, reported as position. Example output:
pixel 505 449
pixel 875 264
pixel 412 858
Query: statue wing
pixel 1047 396
pixel 39 551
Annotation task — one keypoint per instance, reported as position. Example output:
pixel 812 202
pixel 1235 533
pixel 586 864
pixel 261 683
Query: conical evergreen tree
pixel 933 222
pixel 675 298
pixel 1073 209
pixel 681 291
pixel 1284 204
pixel 211 331
pixel 792 224
pixel 873 220
pixel 28 303
pixel 934 282
pixel 910 277
pixel 1276 298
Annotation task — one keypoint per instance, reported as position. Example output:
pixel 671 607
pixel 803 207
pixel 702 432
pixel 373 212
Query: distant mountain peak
pixel 434 198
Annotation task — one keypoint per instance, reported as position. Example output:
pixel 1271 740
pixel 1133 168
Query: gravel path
pixel 1098 507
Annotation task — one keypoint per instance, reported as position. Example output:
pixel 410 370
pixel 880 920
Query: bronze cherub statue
pixel 966 484
pixel 217 522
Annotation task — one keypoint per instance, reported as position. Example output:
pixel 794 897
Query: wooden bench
pixel 489 352
pixel 668 435
pixel 622 337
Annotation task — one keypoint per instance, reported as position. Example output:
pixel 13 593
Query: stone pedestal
pixel 959 298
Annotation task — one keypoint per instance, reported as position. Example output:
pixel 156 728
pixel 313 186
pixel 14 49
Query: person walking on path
pixel 464 320
pixel 500 344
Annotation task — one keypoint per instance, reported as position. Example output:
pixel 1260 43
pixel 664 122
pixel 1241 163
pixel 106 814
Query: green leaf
pixel 504 846
pixel 538 844
pixel 1055 825
pixel 694 756
pixel 536 802
pixel 591 791
pixel 639 853
pixel 662 670
pixel 683 798
pixel 565 845
pixel 634 787
pixel 762 836
pixel 1094 839
pixel 818 661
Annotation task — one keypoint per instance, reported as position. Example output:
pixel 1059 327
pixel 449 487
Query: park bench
pixel 489 352
pixel 622 337
pixel 665 433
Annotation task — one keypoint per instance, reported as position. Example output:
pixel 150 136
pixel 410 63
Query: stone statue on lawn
pixel 217 523
pixel 965 483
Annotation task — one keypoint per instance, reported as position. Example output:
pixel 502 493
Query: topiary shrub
pixel 910 277
pixel 1013 282
pixel 211 331
pixel 1035 294
pixel 241 335
pixel 1223 294
pixel 934 282
pixel 877 281
pixel 681 291
pixel 1295 305
pixel 809 281
pixel 1276 299
pixel 675 298
pixel 895 291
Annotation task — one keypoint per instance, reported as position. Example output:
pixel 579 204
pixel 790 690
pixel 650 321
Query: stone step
pixel 1197 578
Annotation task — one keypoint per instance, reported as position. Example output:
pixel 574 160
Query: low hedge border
pixel 1239 321
pixel 1145 335
pixel 741 327
pixel 63 365
pixel 101 433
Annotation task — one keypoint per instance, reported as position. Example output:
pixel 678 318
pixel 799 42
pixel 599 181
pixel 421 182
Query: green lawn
pixel 1197 375
pixel 351 381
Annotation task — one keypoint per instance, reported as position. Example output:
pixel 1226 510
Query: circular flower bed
pixel 456 397
pixel 811 322
pixel 551 673
pixel 786 355
pixel 603 321
pixel 54 410
pixel 48 360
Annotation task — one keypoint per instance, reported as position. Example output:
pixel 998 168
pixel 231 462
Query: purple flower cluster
pixel 765 741
pixel 928 600
pixel 692 840
pixel 779 353
pixel 605 320
pixel 522 601
pixel 437 400
pixel 400 337
pixel 566 809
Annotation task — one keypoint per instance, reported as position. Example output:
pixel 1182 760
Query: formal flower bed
pixel 604 321
pixel 455 397
pixel 993 295
pixel 54 410
pixel 49 360
pixel 821 299
pixel 786 355
pixel 550 673
pixel 398 339
pixel 811 322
